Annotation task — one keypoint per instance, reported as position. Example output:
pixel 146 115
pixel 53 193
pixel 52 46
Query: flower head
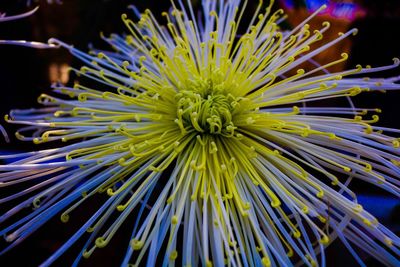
pixel 205 134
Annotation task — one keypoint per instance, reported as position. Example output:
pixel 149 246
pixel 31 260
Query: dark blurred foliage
pixel 24 74
pixel 382 8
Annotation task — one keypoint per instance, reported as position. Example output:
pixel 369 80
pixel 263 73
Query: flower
pixel 204 135
pixel 33 44
pixel 4 17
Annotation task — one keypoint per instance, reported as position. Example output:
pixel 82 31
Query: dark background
pixel 25 73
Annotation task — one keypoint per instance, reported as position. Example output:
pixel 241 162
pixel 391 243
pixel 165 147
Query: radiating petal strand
pixel 204 134
pixel 4 17
pixel 38 45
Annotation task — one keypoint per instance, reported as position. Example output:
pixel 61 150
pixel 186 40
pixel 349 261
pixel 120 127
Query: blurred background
pixel 27 72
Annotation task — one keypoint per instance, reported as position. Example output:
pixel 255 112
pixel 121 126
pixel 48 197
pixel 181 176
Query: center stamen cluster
pixel 209 113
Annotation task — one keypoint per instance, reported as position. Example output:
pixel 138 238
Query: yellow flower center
pixel 206 112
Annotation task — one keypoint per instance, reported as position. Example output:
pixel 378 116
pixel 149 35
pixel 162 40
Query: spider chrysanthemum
pixel 204 133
